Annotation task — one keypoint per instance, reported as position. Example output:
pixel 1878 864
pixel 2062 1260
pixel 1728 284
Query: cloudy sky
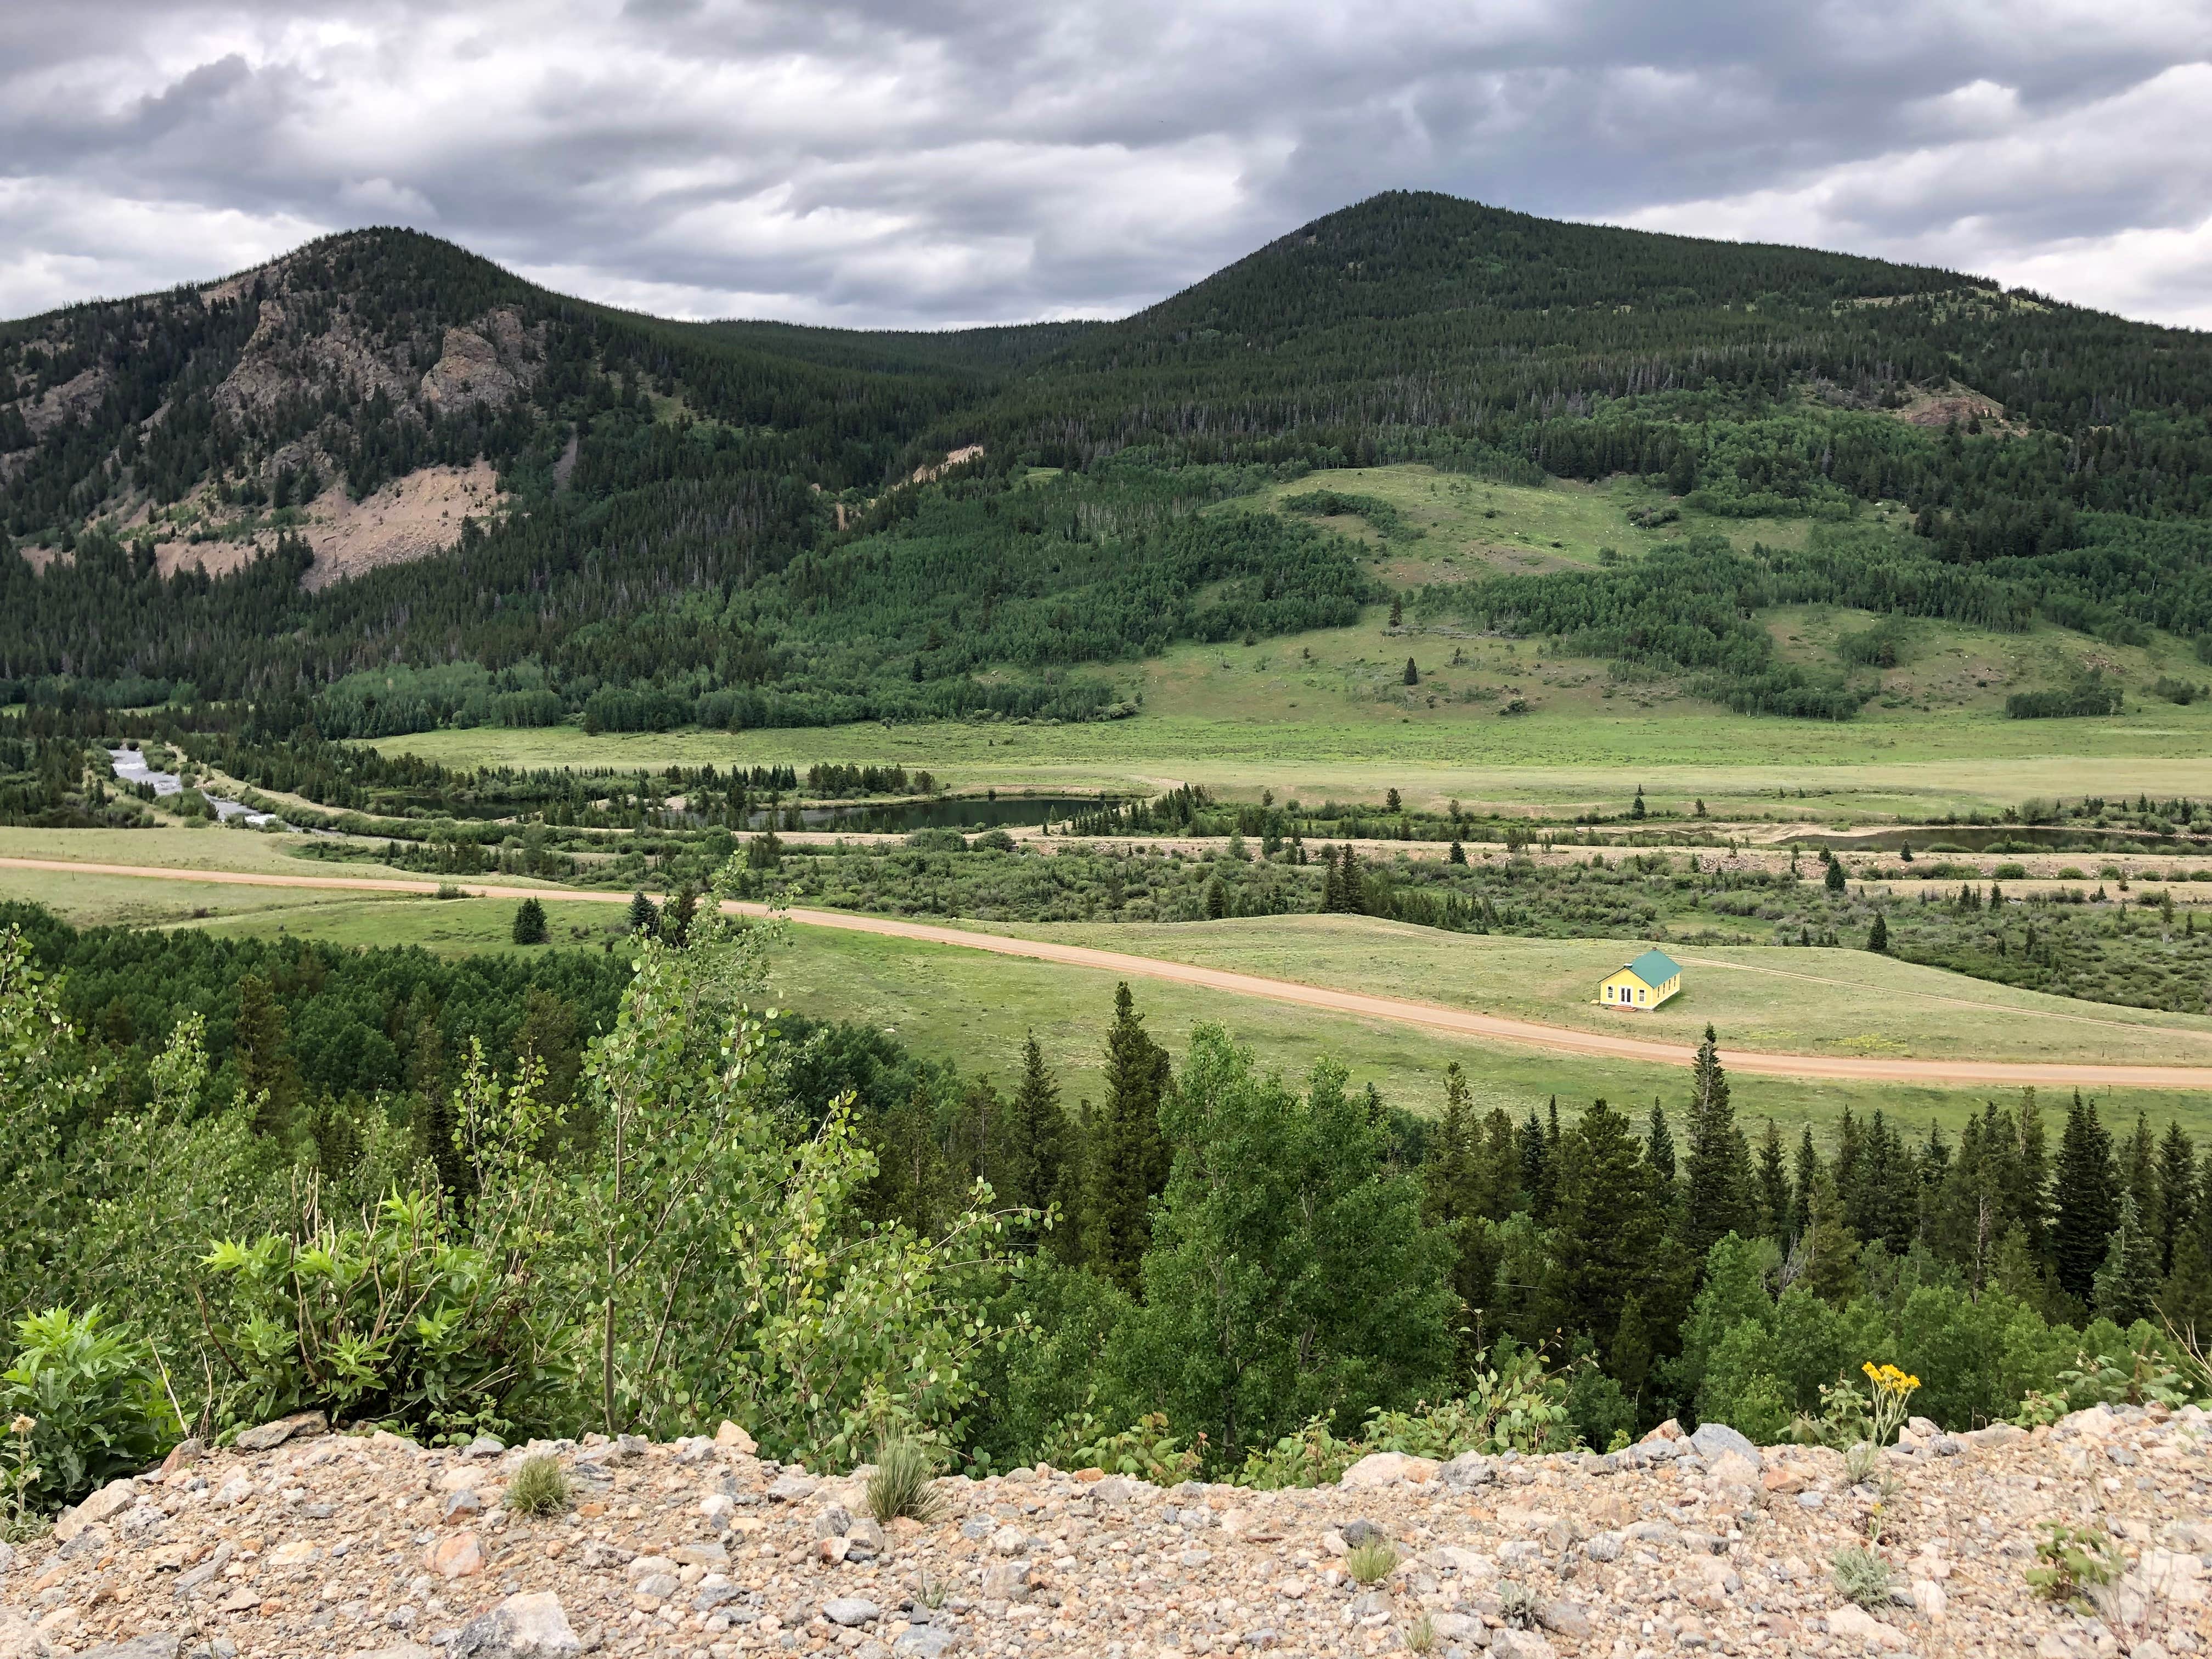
pixel 925 162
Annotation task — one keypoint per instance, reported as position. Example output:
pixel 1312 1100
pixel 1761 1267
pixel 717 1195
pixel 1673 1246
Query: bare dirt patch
pixel 416 517
pixel 1954 403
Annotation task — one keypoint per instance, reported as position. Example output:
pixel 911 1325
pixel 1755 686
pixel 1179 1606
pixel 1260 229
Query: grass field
pixel 974 1009
pixel 1788 1001
pixel 1741 767
pixel 1327 713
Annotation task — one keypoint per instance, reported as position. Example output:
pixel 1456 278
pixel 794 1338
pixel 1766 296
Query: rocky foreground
pixel 302 1543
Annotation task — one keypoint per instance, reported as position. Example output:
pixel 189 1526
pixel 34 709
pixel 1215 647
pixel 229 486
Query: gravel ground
pixel 314 1543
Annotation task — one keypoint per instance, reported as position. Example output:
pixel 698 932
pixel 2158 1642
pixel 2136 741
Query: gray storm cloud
pixel 920 165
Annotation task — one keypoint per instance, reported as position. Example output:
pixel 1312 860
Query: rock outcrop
pixel 370 1545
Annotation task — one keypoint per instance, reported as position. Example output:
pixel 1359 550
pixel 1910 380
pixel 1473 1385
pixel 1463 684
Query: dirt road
pixel 1490 1027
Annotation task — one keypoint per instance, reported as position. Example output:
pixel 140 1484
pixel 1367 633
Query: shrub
pixel 1148 1450
pixel 1373 1561
pixel 1517 1604
pixel 97 1406
pixel 1312 1457
pixel 1861 1576
pixel 2074 1561
pixel 403 1317
pixel 900 1485
pixel 538 1488
pixel 2090 695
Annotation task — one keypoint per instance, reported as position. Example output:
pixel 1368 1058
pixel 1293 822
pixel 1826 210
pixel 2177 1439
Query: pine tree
pixel 1773 1188
pixel 1804 1172
pixel 1454 1194
pixel 1217 900
pixel 1718 1192
pixel 2177 1194
pixel 1352 886
pixel 1448 1165
pixel 1878 936
pixel 1032 1158
pixel 2125 1288
pixel 2186 1297
pixel 1829 1252
pixel 1659 1148
pixel 261 1036
pixel 644 915
pixel 1129 1155
pixel 441 1132
pixel 2031 1191
pixel 529 922
pixel 1412 674
pixel 1609 1226
pixel 1498 1191
pixel 1834 879
pixel 676 920
pixel 1458 853
pixel 2087 1210
pixel 1536 1166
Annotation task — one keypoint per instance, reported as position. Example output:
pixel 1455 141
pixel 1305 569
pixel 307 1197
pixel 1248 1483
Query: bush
pixel 1146 1449
pixel 95 1399
pixel 1372 1561
pixel 1863 1576
pixel 2073 1561
pixel 900 1485
pixel 539 1487
pixel 2090 695
pixel 399 1319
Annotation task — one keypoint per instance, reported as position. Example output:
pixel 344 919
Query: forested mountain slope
pixel 723 521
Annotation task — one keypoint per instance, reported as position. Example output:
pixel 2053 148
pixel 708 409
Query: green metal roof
pixel 1654 968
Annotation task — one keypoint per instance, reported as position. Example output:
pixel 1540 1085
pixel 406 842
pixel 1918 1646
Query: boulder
pixel 1469 1469
pixel 22 1639
pixel 1510 1643
pixel 1854 1624
pixel 1734 1469
pixel 851 1612
pixel 268 1436
pixel 924 1642
pixel 730 1435
pixel 1565 1617
pixel 160 1646
pixel 111 1500
pixel 1386 1469
pixel 459 1556
pixel 531 1627
pixel 1712 1439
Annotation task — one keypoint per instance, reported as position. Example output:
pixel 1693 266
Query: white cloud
pixel 918 162
pixel 2105 204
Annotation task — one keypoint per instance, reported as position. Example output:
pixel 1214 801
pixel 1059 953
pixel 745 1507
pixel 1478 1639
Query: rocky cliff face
pixel 301 1542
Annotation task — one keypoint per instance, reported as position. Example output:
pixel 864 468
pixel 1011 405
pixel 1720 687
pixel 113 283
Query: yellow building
pixel 1645 983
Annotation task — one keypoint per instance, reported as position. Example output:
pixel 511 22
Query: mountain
pixel 236 489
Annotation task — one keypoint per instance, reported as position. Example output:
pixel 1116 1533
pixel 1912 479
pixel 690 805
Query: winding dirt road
pixel 1495 1028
